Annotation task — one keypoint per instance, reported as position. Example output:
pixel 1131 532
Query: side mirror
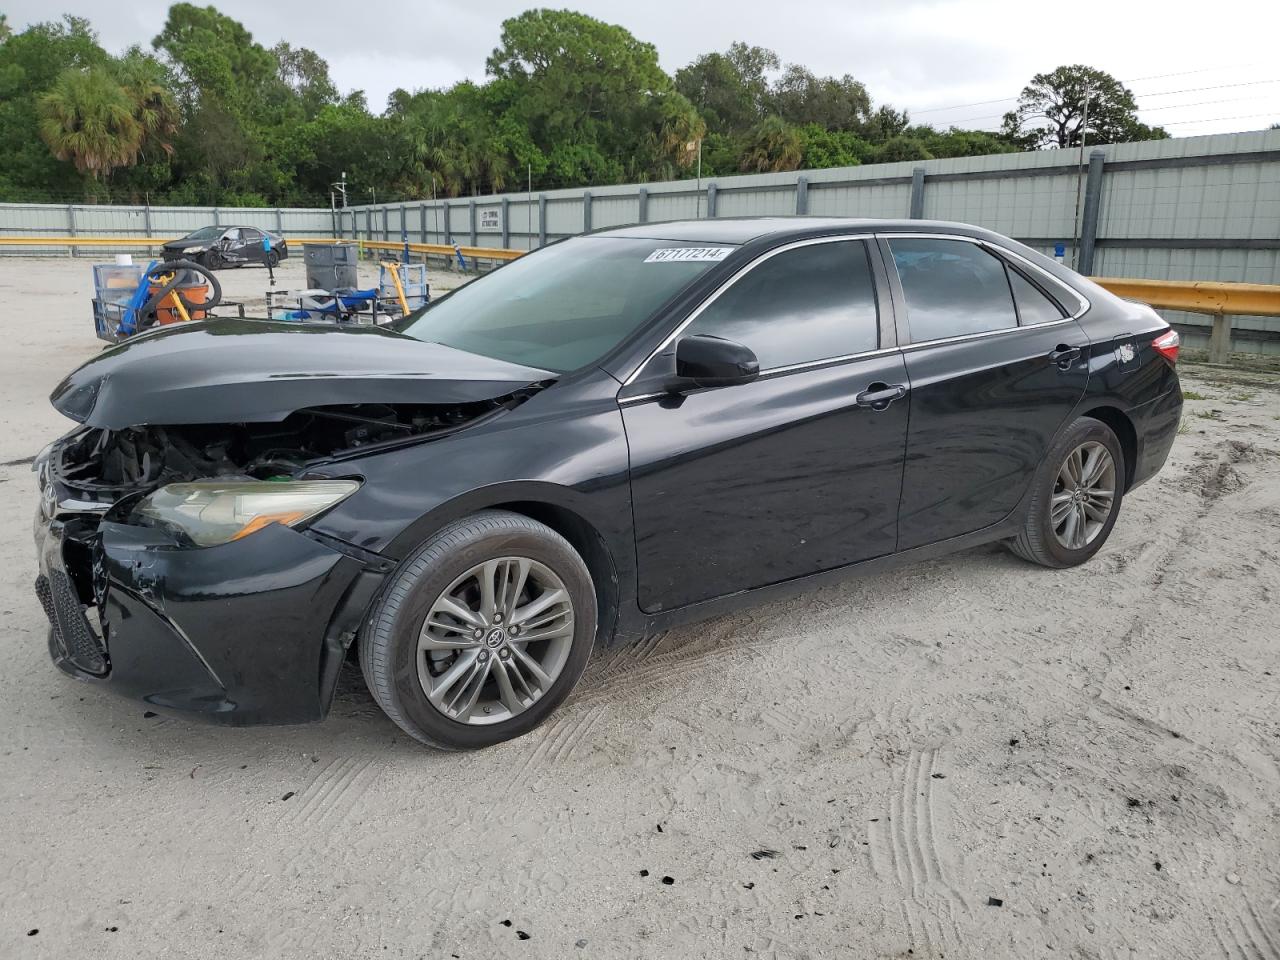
pixel 706 361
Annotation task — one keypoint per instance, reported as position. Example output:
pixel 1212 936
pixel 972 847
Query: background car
pixel 610 436
pixel 217 247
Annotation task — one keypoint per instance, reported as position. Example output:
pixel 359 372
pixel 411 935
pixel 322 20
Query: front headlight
pixel 194 250
pixel 209 513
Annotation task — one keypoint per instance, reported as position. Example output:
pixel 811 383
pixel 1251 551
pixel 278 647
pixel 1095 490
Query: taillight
pixel 1167 345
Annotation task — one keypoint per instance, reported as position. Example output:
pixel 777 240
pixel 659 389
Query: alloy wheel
pixel 1083 495
pixel 494 642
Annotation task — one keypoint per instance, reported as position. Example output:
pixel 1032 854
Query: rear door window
pixel 952 288
pixel 810 303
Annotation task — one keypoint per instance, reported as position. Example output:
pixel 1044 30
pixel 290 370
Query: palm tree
pixel 6 31
pixel 773 145
pixel 154 106
pixel 88 118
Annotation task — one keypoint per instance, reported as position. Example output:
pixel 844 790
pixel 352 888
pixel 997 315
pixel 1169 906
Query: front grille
pixel 72 634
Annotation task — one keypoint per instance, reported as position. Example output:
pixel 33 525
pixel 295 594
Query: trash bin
pixel 331 266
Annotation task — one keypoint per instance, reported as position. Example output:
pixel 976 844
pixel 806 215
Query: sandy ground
pixel 969 758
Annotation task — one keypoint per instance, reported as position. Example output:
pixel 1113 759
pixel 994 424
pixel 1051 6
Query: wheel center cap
pixel 495 637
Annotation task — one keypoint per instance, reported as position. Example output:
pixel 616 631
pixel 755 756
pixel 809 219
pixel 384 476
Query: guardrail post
pixel 642 203
pixel 471 220
pixel 802 196
pixel 1220 339
pixel 506 227
pixel 586 211
pixel 542 219
pixel 711 200
pixel 1089 220
pixel 71 227
pixel 917 193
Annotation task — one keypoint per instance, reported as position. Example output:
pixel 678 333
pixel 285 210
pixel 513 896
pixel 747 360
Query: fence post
pixel 711 200
pixel 217 217
pixel 422 227
pixel 542 219
pixel 71 227
pixel 586 211
pixel 917 193
pixel 386 224
pixel 506 227
pixel 1220 339
pixel 642 198
pixel 368 224
pixel 279 221
pixel 471 220
pixel 146 218
pixel 1089 219
pixel 802 196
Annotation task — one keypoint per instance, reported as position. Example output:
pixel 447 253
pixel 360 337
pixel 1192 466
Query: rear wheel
pixel 1076 498
pixel 482 633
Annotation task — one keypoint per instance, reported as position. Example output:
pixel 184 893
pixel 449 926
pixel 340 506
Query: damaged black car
pixel 613 435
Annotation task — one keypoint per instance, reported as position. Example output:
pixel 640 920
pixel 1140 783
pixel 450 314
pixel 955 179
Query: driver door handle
pixel 879 395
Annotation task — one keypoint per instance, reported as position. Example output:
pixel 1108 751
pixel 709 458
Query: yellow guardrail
pixel 1219 300
pixel 435 249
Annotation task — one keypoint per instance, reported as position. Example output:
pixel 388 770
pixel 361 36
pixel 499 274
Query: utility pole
pixel 1084 135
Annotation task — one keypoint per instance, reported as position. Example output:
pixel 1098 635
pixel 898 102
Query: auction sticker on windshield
pixel 686 254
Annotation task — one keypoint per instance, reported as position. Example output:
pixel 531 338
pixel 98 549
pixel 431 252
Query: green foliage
pixel 209 115
pixel 1051 111
pixel 88 119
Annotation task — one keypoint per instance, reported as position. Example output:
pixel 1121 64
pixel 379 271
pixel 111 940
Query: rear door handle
pixel 879 395
pixel 1064 355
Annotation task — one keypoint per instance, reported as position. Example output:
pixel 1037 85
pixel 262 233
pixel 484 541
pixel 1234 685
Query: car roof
pixel 739 230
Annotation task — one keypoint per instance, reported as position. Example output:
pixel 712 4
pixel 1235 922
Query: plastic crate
pixel 116 283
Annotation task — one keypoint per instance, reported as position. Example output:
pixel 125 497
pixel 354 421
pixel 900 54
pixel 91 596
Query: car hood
pixel 187 244
pixel 243 371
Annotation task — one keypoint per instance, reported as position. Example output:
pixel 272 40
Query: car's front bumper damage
pixel 251 631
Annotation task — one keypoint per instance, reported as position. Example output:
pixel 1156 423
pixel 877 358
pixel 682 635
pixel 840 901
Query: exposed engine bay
pixel 102 465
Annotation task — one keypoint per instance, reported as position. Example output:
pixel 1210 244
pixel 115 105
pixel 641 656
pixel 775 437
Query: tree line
pixel 206 115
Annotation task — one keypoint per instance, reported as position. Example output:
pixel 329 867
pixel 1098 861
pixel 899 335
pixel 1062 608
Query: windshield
pixel 564 306
pixel 205 233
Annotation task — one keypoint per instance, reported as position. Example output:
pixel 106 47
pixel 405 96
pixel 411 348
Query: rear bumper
pixel 252 631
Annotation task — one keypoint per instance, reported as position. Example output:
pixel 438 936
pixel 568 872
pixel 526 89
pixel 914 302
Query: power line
pixel 1165 93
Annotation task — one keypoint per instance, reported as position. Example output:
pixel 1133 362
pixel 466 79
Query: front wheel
pixel 482 633
pixel 1076 498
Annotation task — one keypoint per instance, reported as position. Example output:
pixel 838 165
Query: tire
pixel 212 259
pixel 272 259
pixel 396 667
pixel 1054 545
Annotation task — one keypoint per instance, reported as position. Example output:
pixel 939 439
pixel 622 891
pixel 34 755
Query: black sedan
pixel 218 247
pixel 615 434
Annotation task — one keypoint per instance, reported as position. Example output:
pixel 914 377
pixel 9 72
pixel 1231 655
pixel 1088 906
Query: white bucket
pixel 124 260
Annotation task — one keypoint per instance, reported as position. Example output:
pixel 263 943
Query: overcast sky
pixel 1196 67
